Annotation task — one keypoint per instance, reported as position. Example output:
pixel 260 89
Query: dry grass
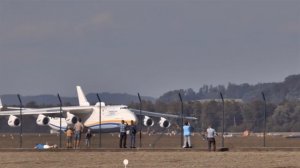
pixel 156 141
pixel 149 158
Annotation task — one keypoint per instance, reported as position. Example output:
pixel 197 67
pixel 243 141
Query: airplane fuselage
pixel 111 117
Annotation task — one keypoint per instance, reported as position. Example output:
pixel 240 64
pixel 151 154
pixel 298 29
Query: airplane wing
pixel 48 116
pixel 15 108
pixel 10 108
pixel 156 114
pixel 84 109
pixel 54 110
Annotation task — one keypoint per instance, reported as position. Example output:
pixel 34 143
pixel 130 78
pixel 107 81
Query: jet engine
pixel 148 121
pixel 14 121
pixel 71 118
pixel 42 120
pixel 164 123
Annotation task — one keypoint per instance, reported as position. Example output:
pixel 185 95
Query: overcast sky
pixel 145 46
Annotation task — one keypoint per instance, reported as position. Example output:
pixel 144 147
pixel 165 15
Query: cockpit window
pixel 124 107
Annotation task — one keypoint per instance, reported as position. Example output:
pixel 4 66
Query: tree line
pixel 288 90
pixel 239 116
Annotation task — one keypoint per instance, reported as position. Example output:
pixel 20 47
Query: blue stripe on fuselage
pixel 109 127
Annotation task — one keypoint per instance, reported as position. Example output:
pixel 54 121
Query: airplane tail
pixel 81 97
pixel 1 106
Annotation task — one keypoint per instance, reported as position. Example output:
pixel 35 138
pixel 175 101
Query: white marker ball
pixel 125 162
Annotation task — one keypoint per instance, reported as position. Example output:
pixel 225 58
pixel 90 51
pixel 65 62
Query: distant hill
pixel 278 92
pixel 52 100
pixel 289 89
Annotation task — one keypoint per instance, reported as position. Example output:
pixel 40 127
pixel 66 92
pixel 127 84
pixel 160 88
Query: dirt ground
pixel 156 153
pixel 144 159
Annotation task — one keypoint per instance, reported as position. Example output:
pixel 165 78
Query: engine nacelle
pixel 71 118
pixel 42 120
pixel 164 123
pixel 14 121
pixel 148 121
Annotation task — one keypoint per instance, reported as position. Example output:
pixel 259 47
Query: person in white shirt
pixel 211 133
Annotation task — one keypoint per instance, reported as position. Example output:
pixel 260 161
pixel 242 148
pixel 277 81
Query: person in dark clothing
pixel 88 137
pixel 132 134
pixel 123 136
pixel 211 133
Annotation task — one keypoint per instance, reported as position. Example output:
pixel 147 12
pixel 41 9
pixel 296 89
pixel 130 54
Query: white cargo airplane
pixel 111 115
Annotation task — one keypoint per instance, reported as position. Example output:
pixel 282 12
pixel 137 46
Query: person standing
pixel 69 134
pixel 123 135
pixel 132 134
pixel 211 133
pixel 78 127
pixel 88 137
pixel 187 135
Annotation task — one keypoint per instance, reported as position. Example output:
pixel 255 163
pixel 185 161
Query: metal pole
pixel 21 120
pixel 181 139
pixel 265 117
pixel 99 100
pixel 223 119
pixel 60 116
pixel 140 119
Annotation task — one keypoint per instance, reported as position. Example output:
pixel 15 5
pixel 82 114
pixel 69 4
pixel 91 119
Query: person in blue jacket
pixel 187 135
pixel 44 146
